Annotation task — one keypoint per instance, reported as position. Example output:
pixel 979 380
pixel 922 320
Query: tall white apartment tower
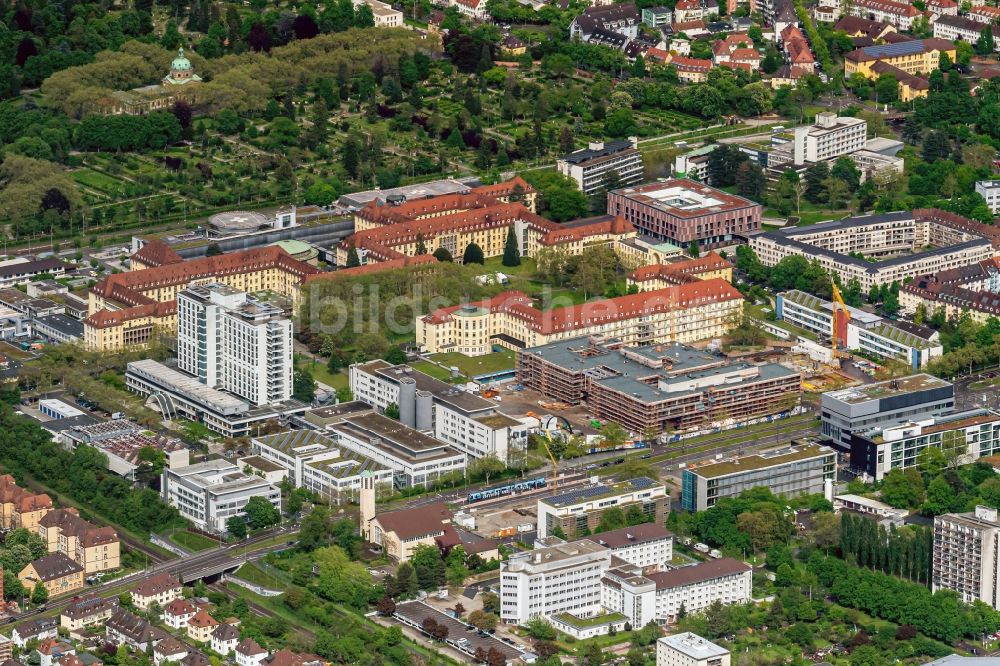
pixel 966 557
pixel 235 342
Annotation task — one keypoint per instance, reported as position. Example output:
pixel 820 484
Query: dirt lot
pixel 519 403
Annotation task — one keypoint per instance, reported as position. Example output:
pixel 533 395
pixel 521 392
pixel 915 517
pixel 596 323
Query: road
pixel 186 568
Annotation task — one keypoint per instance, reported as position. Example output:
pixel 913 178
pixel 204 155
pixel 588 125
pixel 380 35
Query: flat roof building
pixel 681 211
pixel 209 493
pixel 663 387
pixel 800 469
pixel 689 649
pixel 590 167
pixel 580 509
pixel 990 190
pixel 966 557
pixel 883 404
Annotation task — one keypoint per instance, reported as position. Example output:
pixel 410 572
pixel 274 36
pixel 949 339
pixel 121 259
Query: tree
pixel 303 385
pixel 473 255
pixel 421 245
pixel 237 527
pixel 213 250
pixel 693 249
pixel 443 255
pixel 816 176
pixel 612 518
pixel 511 255
pixel 353 259
pixel 386 606
pixel 392 411
pixel 485 467
pixel 428 566
pixel 984 45
pixel 903 488
pixel 491 603
pixel 261 513
pixel 750 181
pixel 483 621
pixel 39 594
pixel 540 629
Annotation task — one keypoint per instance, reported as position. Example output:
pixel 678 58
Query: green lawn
pixel 433 370
pixel 472 366
pixel 192 541
pixel 13 351
pixel 251 573
pixel 98 180
pixel 985 383
pixel 338 382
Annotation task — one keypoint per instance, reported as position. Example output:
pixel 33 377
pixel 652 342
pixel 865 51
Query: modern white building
pixel 696 587
pixel 564 578
pixel 830 137
pixel 689 649
pixel 463 420
pixel 647 545
pixel 209 493
pixel 578 511
pixel 313 461
pixel 235 342
pixel 860 330
pixel 990 190
pixel 966 558
pixel 589 167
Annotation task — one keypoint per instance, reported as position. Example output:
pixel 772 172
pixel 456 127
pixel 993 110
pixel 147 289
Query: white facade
pixel 588 167
pixel 690 650
pixel 565 578
pixel 631 594
pixel 965 557
pixel 990 190
pixel 552 510
pixel 383 13
pixel 645 545
pixel 211 492
pixel 728 587
pixel 829 138
pixel 231 341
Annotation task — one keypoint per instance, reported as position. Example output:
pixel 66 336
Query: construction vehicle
pixel 838 300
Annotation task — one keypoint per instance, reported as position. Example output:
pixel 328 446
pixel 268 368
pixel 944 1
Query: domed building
pixel 181 71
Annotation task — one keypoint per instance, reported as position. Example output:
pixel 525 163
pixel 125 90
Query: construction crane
pixel 555 464
pixel 837 300
pixel 545 442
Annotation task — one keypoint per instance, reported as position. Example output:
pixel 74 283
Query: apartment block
pixel 687 312
pixel 94 548
pixel 232 341
pixel 647 545
pixel 590 167
pixel 578 511
pixel 966 29
pixel 565 578
pixel 668 387
pixel 967 436
pixel 681 211
pixel 973 290
pixel 689 649
pixel 210 493
pixel 883 404
pixel 965 558
pixel 860 330
pixel 898 14
pixel 893 245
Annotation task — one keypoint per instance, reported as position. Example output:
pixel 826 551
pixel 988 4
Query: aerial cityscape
pixel 504 332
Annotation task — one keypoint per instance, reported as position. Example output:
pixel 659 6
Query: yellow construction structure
pixel 837 300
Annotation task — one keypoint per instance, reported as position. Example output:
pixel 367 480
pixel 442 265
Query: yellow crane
pixel 555 464
pixel 837 300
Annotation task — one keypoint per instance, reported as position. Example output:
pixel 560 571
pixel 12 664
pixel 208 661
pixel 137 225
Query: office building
pixel 235 342
pixel 990 190
pixel 830 137
pixel 565 578
pixel 681 211
pixel 311 460
pixel 893 246
pixel 882 405
pixel 694 164
pixel 860 330
pixel 687 312
pixel 689 649
pixel 965 559
pixel 177 394
pixel 125 308
pixel 210 493
pixel 963 436
pixel 658 387
pixel 601 163
pixel 580 509
pixel 464 421
pixel 800 469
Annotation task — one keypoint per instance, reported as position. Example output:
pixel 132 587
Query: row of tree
pixel 905 553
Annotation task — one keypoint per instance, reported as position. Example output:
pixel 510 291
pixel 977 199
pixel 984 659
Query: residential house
pixel 34 630
pixel 691 70
pixel 87 612
pixel 225 638
pixel 939 8
pixel 201 626
pixel 474 9
pixel 161 589
pixel 289 658
pixel 797 49
pixel 856 26
pixel 94 548
pixel 19 507
pixel 178 612
pixel 57 572
pixel 511 45
pixel 169 649
pixel 195 658
pixel 623 19
pixel 51 650
pixel 249 653
pixel 85 659
pixel 132 631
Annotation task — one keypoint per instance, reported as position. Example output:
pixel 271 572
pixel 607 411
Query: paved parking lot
pixel 415 612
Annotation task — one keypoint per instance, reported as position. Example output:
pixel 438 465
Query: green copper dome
pixel 180 63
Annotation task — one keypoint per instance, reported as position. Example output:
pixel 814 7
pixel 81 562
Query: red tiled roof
pixel 157 253
pixel 685 64
pixel 202 619
pixel 156 584
pixel 711 261
pixel 405 262
pixel 889 7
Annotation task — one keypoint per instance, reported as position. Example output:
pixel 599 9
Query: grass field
pixel 339 381
pixel 192 541
pixel 472 366
pixel 97 181
pixel 251 573
pixel 435 371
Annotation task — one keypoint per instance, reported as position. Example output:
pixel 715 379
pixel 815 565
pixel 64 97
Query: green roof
pixel 586 622
pixel 762 460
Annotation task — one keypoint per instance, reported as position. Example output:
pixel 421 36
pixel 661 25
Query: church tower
pixel 367 502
